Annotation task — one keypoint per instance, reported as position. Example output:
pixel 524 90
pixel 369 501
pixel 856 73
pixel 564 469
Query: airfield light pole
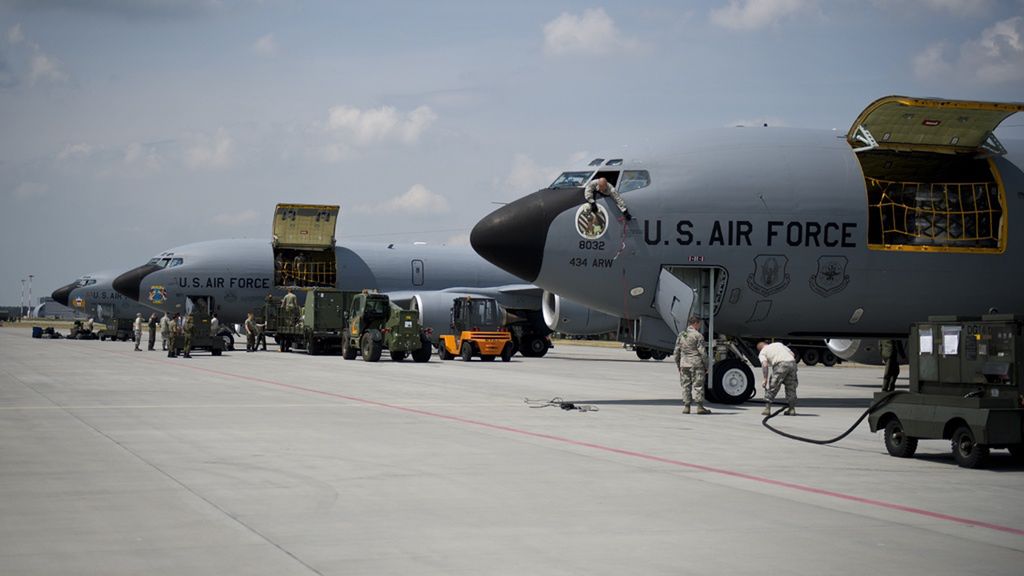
pixel 30 295
pixel 21 308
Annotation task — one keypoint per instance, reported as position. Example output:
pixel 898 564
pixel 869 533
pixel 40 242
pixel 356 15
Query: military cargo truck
pixel 375 324
pixel 319 327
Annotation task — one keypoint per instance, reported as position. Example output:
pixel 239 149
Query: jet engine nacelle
pixel 860 351
pixel 574 319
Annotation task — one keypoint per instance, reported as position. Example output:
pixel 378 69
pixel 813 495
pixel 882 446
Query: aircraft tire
pixel 467 352
pixel 811 356
pixel 897 442
pixel 534 347
pixel 733 382
pixel 967 452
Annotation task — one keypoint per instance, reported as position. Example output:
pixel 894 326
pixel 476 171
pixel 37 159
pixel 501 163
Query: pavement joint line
pixel 620 451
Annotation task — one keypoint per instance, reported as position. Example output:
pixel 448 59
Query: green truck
pixel 375 324
pixel 316 327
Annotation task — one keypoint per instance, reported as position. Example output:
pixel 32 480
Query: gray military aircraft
pixel 786 233
pixel 238 275
pixel 94 295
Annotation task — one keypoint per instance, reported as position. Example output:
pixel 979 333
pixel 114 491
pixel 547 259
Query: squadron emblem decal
pixel 831 277
pixel 769 274
pixel 157 294
pixel 591 224
pixel 78 302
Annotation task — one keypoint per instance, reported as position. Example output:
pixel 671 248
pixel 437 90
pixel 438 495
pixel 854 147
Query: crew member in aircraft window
pixel 779 361
pixel 691 360
pixel 601 187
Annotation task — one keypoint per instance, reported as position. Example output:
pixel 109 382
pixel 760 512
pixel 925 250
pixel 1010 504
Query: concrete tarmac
pixel 121 462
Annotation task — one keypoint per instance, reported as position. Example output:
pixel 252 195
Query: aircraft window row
pixel 916 215
pixel 175 262
pixel 596 162
pixel 86 282
pixel 571 180
pixel 634 180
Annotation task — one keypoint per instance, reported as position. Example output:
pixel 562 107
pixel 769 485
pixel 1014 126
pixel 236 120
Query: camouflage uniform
pixel 891 358
pixel 592 190
pixel 778 358
pixel 165 329
pixel 690 359
pixel 187 329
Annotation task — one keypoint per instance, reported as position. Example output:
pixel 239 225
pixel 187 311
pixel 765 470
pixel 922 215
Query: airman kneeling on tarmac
pixel 690 356
pixel 781 362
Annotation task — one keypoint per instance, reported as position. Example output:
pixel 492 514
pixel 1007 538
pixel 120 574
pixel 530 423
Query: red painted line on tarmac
pixel 630 453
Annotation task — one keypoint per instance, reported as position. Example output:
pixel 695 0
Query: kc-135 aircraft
pixel 94 295
pixel 239 273
pixel 787 233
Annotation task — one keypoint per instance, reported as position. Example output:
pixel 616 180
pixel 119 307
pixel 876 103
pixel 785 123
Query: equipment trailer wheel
pixel 829 359
pixel 467 351
pixel 348 352
pixel 733 382
pixel 659 355
pixel 215 352
pixel 967 452
pixel 897 442
pixel 643 353
pixel 397 356
pixel 810 356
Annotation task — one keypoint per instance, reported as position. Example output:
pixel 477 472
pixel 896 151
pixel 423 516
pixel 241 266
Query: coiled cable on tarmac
pixel 877 404
pixel 560 403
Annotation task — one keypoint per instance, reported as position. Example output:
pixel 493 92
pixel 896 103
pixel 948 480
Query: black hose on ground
pixel 872 408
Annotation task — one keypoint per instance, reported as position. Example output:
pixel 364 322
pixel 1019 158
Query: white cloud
pixel 234 219
pixel 30 191
pixel 74 151
pixel 593 32
pixel 527 175
pixel 380 124
pixel 210 152
pixel 753 14
pixel 42 66
pixel 995 57
pixel 265 45
pixel 137 154
pixel 15 35
pixel 956 7
pixel 418 199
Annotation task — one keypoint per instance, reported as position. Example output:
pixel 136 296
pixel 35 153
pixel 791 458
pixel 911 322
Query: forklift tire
pixel 442 351
pixel 643 353
pixel 810 357
pixel 215 352
pixel 370 348
pixel 506 353
pixel 397 356
pixel 487 357
pixel 467 351
pixel 897 442
pixel 967 452
pixel 348 352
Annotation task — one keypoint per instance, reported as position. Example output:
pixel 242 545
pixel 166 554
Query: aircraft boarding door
pixel 104 312
pixel 303 244
pixel 417 272
pixel 673 300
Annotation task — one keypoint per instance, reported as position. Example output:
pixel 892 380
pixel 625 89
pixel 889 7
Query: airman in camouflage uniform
pixel 690 357
pixel 187 330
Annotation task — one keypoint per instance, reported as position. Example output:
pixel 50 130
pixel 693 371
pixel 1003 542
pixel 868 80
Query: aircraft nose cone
pixel 128 284
pixel 513 237
pixel 63 294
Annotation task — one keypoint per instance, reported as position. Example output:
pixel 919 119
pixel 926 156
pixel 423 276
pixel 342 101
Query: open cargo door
pixel 304 245
pixel 929 175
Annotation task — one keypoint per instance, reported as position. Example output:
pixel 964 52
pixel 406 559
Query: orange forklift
pixel 478 329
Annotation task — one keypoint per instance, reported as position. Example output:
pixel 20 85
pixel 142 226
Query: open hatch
pixel 930 180
pixel 304 245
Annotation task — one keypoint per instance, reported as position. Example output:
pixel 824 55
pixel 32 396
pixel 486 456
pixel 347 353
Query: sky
pixel 131 126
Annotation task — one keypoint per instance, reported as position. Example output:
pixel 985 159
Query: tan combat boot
pixel 702 410
pixel 791 411
pixel 767 411
pixel 686 408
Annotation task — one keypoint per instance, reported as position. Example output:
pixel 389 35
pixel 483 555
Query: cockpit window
pixel 153 261
pixel 596 162
pixel 571 180
pixel 82 282
pixel 175 262
pixel 164 262
pixel 634 180
pixel 614 162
